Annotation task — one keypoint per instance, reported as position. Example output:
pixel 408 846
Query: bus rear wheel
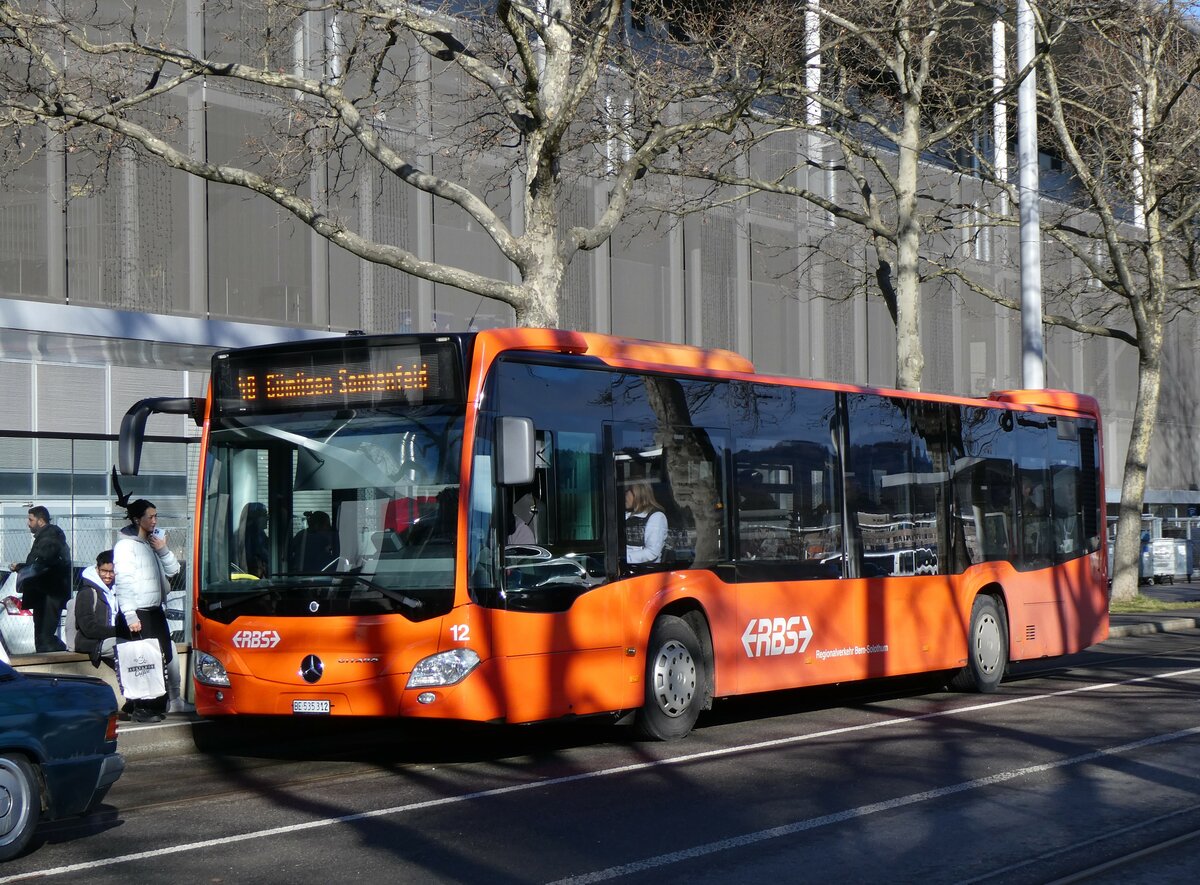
pixel 675 681
pixel 987 648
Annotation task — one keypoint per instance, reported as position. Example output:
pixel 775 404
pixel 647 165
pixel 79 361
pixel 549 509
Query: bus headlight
pixel 209 670
pixel 444 668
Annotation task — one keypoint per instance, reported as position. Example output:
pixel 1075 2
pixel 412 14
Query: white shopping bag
pixel 140 669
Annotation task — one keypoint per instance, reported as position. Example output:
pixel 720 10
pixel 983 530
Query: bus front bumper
pixel 475 699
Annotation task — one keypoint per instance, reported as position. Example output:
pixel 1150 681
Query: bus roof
pixel 484 346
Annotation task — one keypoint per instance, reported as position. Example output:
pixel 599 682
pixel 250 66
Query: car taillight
pixel 110 733
pixel 12 605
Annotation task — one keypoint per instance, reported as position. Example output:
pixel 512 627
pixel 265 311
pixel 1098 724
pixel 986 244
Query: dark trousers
pixel 154 626
pixel 47 614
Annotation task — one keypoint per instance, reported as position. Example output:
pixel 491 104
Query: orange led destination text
pixel 301 386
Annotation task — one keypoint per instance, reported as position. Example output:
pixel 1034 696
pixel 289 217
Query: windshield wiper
pixel 238 600
pixel 257 593
pixel 408 601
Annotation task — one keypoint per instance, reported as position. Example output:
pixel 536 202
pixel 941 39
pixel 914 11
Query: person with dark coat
pixel 45 579
pixel 96 612
pixel 315 547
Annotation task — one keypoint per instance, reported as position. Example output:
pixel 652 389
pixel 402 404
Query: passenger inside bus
pixel 752 492
pixel 252 539
pixel 314 547
pixel 521 531
pixel 645 525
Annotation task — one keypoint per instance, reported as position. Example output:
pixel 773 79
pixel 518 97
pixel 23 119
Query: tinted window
pixel 549 535
pixel 896 483
pixel 1034 490
pixel 787 494
pixel 1074 498
pixel 676 464
pixel 983 447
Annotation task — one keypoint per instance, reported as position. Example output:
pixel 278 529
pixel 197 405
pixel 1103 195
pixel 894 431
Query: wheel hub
pixel 987 644
pixel 674 679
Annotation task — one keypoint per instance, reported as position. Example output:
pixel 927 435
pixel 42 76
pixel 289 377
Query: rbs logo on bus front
pixel 776 636
pixel 256 639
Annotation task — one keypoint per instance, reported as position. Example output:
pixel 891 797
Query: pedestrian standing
pixel 144 565
pixel 45 579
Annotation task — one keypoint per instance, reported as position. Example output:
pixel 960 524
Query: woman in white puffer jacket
pixel 144 565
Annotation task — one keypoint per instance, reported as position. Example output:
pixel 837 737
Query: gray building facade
pixel 118 283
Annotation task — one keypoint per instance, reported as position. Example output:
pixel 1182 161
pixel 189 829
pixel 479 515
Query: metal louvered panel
pixel 70 399
pixel 16 454
pixel 54 455
pixel 1097 364
pixel 839 309
pixel 16 395
pixel 1060 352
pixel 132 384
pixel 718 263
pixel 391 302
pixel 937 335
pixel 578 287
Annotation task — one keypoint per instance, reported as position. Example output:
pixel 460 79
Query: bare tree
pixel 1125 114
pixel 551 88
pixel 881 89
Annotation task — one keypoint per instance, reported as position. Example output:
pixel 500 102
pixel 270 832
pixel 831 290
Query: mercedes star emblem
pixel 311 668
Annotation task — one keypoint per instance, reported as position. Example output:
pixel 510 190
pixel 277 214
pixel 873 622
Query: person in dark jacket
pixel 96 612
pixel 45 579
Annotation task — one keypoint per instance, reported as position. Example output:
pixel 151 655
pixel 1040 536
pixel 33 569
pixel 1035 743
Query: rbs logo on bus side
pixel 256 638
pixel 776 636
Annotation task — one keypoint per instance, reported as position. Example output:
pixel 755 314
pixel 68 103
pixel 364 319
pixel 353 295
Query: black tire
pixel 675 681
pixel 987 649
pixel 20 805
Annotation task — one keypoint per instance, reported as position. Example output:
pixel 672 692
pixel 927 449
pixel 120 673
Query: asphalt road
pixel 1081 769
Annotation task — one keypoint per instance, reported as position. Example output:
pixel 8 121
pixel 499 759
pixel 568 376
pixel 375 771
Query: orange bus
pixel 437 526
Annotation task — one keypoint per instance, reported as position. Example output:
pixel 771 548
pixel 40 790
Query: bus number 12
pixel 461 632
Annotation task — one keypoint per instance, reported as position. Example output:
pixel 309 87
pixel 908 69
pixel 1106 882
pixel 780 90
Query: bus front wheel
pixel 987 648
pixel 675 681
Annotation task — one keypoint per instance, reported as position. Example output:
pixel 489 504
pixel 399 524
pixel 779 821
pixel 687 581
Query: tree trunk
pixel 1128 548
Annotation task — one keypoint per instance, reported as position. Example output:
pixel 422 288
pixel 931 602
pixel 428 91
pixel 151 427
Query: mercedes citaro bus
pixel 357 497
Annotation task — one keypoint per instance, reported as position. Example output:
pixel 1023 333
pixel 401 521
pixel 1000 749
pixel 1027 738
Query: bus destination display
pixel 336 378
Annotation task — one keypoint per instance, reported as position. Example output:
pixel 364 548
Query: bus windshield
pixel 349 512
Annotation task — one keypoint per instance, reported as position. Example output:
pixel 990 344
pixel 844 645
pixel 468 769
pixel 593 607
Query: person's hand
pixel 158 542
pixel 135 627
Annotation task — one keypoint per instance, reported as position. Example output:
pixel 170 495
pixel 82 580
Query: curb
pixel 1168 625
pixel 158 738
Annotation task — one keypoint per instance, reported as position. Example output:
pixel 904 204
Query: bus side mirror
pixel 515 445
pixel 133 425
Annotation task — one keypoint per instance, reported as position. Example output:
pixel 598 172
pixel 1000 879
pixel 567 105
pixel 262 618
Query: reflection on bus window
pixel 360 507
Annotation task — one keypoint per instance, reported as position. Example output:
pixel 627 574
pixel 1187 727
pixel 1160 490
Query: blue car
pixel 58 750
